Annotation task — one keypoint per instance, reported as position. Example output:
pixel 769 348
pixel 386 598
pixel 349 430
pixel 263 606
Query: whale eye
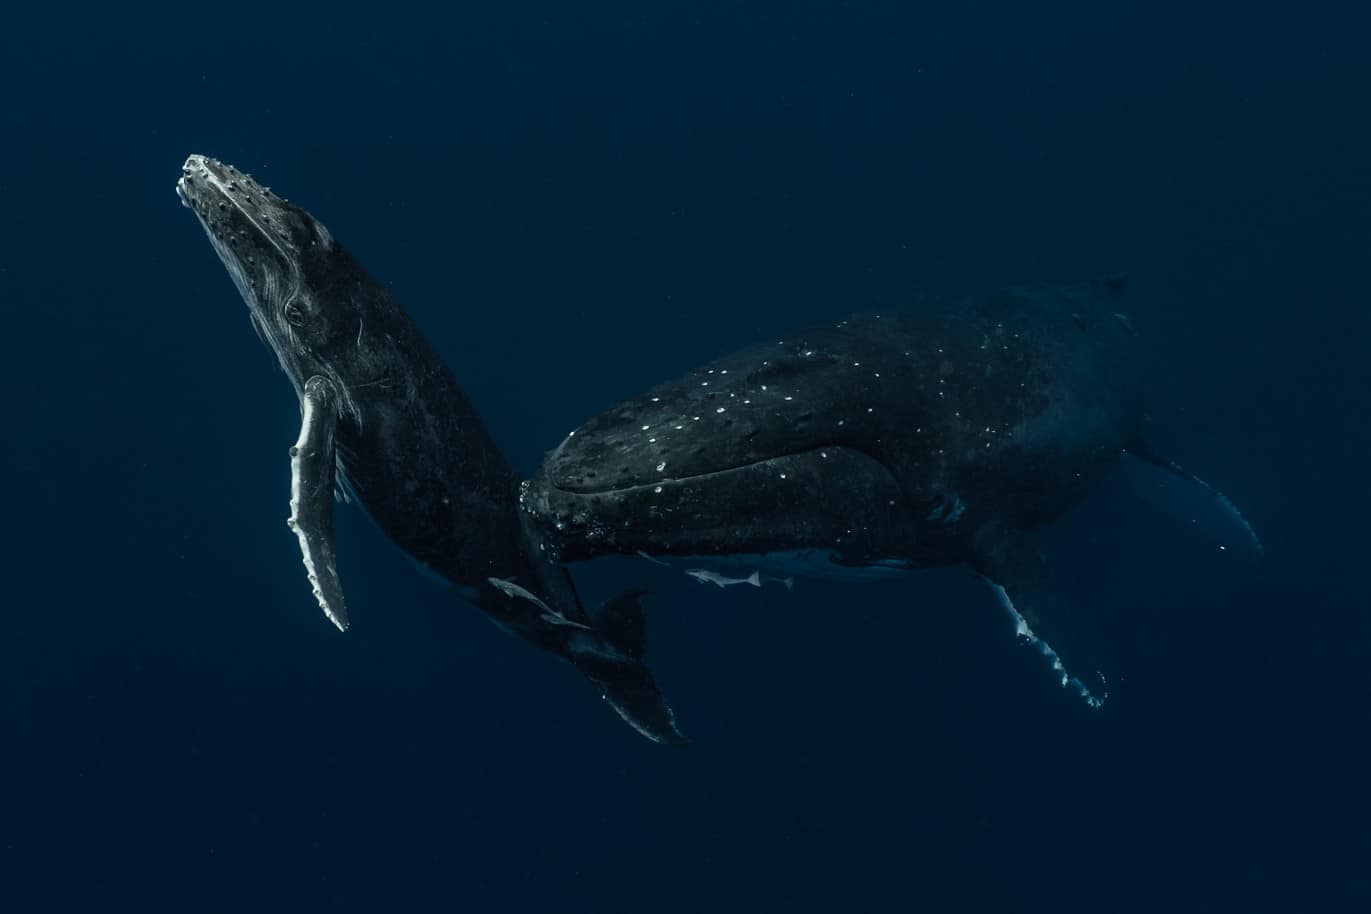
pixel 295 315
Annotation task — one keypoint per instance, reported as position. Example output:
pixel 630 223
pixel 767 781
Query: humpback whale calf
pixel 937 437
pixel 383 420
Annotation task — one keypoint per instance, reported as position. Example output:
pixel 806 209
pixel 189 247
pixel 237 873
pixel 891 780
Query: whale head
pixel 307 296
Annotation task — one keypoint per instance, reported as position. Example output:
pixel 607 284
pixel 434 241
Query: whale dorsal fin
pixel 1113 286
pixel 313 468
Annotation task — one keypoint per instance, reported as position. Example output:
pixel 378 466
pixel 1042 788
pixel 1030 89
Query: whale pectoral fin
pixel 1010 563
pixel 313 466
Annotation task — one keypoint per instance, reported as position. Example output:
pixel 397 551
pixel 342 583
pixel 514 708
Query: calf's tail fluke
pixel 614 662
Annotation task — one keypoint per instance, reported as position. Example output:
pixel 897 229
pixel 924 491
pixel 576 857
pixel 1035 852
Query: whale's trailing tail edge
pixel 1195 501
pixel 624 680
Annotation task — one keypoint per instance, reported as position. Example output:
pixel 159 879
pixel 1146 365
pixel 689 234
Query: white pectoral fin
pixel 312 475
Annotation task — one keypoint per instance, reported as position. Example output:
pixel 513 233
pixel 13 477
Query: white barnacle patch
pixel 1024 631
pixel 720 409
pixel 661 466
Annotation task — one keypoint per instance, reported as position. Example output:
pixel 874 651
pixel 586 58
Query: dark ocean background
pixel 575 202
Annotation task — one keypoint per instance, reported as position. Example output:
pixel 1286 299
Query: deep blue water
pixel 575 202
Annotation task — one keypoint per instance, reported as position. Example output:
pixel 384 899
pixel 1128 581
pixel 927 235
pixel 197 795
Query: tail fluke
pixel 615 665
pixel 1186 496
pixel 622 623
pixel 634 695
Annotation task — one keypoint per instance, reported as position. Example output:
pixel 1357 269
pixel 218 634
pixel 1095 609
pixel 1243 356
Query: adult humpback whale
pixel 937 437
pixel 383 418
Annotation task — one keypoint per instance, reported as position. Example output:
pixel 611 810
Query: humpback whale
pixel 941 436
pixel 383 420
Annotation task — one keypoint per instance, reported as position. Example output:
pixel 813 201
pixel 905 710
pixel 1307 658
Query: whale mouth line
pixel 820 451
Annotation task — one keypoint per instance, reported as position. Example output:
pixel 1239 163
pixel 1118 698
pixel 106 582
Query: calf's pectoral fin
pixel 313 467
pixel 1010 563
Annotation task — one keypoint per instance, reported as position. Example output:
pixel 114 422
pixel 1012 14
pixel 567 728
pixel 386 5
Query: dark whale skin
pixel 909 439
